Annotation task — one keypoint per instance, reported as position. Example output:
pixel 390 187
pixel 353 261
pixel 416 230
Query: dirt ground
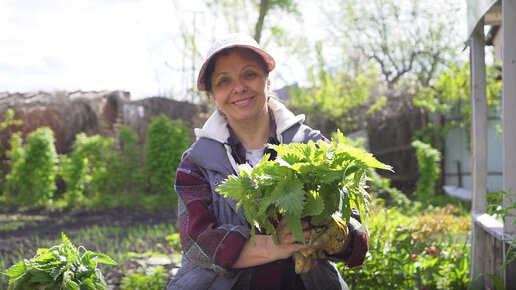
pixel 44 223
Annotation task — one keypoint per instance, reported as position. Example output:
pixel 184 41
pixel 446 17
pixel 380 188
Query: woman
pixel 217 251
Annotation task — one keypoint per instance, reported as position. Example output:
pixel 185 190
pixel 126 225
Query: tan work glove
pixel 329 239
pixel 333 239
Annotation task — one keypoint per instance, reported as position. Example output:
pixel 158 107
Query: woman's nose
pixel 239 88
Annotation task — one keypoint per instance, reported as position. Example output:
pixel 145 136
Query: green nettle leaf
pixel 294 225
pixel 328 175
pixel 292 158
pixel 314 204
pixel 235 187
pixel 293 198
pixel 87 284
pixel 40 277
pixel 60 267
pixel 313 180
pixel 17 269
pixel 101 258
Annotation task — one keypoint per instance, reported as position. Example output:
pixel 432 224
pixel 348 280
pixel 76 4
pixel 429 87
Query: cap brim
pixel 271 64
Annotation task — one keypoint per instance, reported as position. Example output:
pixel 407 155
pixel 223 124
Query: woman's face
pixel 240 87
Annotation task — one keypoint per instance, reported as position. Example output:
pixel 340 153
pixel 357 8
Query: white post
pixel 509 117
pixel 509 101
pixel 479 243
pixel 478 120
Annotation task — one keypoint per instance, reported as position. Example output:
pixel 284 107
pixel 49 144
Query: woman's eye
pixel 222 81
pixel 250 74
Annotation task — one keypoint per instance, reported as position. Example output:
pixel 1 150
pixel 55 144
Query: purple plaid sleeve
pixel 204 240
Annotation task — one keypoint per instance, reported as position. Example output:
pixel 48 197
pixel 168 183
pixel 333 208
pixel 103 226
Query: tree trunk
pixel 264 7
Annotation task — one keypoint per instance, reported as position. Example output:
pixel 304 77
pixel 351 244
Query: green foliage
pixel 449 97
pixel 95 174
pixel 9 120
pixel 60 267
pixel 428 160
pixel 116 234
pixel 503 205
pixel 428 249
pixel 31 181
pixel 337 97
pixel 166 141
pixel 155 278
pixel 6 123
pixel 450 92
pixel 85 170
pixel 381 187
pixel 306 180
pixel 4 168
pixel 378 105
pixel 174 240
pixel 17 152
pixel 128 179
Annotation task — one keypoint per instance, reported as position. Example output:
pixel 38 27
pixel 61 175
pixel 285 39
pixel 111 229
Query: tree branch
pixel 264 7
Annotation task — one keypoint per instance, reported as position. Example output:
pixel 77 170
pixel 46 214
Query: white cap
pixel 233 40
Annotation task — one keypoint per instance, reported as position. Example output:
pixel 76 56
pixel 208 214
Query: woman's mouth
pixel 243 102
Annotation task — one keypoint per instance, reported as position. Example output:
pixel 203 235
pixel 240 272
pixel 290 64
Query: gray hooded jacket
pixel 216 162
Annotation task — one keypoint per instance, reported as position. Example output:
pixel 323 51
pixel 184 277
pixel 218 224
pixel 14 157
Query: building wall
pixel 457 152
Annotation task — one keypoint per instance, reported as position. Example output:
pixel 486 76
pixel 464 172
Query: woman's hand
pixel 264 250
pixel 287 243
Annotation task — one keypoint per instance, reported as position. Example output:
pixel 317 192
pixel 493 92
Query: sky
pixel 86 45
pixel 129 45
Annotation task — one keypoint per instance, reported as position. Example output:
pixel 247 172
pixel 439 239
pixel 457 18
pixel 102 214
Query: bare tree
pixel 406 38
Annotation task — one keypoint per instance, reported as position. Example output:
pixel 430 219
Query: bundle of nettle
pixel 315 182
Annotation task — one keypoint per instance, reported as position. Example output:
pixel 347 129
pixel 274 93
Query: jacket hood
pixel 216 127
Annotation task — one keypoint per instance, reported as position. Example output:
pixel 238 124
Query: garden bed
pixel 130 238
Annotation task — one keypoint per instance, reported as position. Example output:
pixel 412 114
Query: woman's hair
pixel 211 65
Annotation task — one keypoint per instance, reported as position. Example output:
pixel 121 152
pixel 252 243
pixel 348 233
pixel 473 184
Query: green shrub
pixel 87 172
pixel 428 160
pixel 60 267
pixel 130 174
pixel 166 141
pixel 381 187
pixel 6 124
pixel 31 181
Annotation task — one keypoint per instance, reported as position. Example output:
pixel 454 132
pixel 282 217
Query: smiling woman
pixel 215 235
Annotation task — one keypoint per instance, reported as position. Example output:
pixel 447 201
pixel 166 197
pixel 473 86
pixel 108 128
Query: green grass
pixel 12 222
